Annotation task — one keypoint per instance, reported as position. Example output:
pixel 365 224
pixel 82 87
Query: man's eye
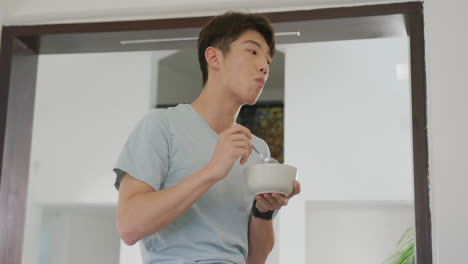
pixel 253 52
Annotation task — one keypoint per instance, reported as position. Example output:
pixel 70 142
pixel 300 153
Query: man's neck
pixel 218 109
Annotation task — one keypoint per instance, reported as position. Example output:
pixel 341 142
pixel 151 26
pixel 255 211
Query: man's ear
pixel 213 57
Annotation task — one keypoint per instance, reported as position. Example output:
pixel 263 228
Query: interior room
pixel 341 89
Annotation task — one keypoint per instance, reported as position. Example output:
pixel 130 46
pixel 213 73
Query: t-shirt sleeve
pixel 145 155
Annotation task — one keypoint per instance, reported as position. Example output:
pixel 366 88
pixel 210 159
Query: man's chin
pixel 252 102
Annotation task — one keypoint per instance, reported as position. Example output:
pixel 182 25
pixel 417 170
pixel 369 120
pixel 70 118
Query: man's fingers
pixel 282 201
pixel 242 161
pixel 272 200
pixel 239 136
pixel 243 144
pixel 239 129
pixel 262 204
pixel 276 200
pixel 296 189
pixel 243 152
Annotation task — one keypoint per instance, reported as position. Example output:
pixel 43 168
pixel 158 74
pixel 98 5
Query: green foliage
pixel 404 253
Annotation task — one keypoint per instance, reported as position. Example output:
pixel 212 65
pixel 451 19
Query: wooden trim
pixel 344 12
pixel 18 66
pixel 5 71
pixel 420 144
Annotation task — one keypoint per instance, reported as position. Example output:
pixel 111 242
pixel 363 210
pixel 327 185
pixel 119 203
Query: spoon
pixel 264 159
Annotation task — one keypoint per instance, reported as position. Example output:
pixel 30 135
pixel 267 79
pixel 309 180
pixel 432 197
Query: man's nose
pixel 264 69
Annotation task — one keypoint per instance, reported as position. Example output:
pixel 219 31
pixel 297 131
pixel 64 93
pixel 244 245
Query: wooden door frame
pixel 20 48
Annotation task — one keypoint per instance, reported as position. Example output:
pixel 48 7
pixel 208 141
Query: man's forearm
pixel 147 213
pixel 261 240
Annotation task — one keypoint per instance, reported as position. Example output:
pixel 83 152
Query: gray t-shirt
pixel 167 146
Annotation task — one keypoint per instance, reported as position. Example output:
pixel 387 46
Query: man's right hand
pixel 232 144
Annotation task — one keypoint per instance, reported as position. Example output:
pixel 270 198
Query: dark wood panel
pixel 5 71
pixel 21 62
pixel 117 26
pixel 420 145
pixel 342 12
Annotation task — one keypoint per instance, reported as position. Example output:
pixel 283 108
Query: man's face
pixel 245 67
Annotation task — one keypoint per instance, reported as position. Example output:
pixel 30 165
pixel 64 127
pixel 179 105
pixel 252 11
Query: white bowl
pixel 270 178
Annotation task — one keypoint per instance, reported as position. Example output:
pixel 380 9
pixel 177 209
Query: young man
pixel 181 188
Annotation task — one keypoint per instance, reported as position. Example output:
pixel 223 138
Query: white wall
pixel 87 103
pixel 447 93
pixel 445 79
pixel 86 106
pixel 355 232
pixel 6 8
pixel 74 235
pixel 347 129
pixel 347 119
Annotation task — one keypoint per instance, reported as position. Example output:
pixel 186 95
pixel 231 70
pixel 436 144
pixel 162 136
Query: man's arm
pixel 261 233
pixel 142 211
pixel 261 240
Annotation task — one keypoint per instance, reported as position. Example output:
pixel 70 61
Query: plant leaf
pixel 404 252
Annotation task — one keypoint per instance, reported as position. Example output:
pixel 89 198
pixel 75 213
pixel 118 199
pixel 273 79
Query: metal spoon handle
pixel 264 159
pixel 256 150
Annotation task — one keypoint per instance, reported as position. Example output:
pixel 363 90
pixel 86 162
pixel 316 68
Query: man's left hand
pixel 274 201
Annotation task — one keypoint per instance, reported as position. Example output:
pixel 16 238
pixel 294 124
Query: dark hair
pixel 224 29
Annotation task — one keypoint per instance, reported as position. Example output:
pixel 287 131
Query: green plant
pixel 404 253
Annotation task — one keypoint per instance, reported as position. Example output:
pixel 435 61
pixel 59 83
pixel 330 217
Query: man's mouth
pixel 260 81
